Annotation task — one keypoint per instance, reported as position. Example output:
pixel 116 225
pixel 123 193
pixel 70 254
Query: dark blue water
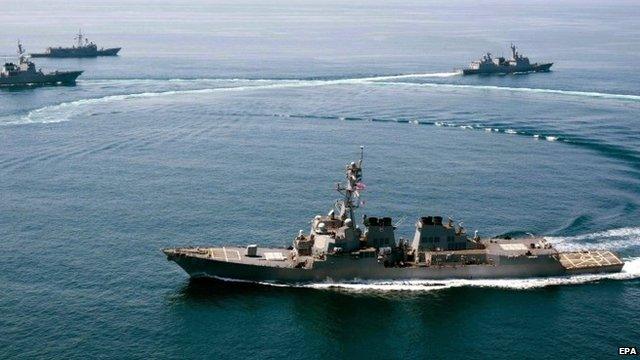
pixel 230 123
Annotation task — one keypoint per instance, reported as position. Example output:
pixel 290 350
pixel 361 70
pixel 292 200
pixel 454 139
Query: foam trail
pixel 550 138
pixel 590 94
pixel 615 239
pixel 64 111
pixel 265 80
pixel 174 81
pixel 412 76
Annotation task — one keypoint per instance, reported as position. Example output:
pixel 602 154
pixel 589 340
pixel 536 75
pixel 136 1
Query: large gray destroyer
pixel 83 49
pixel 517 64
pixel 335 249
pixel 24 73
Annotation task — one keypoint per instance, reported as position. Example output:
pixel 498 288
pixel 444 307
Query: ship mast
pixel 21 56
pixel 79 37
pixel 350 191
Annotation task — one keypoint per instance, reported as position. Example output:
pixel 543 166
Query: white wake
pixel 67 110
pixel 615 239
pixel 589 94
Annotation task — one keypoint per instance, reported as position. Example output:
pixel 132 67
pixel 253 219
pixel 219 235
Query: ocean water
pixel 229 122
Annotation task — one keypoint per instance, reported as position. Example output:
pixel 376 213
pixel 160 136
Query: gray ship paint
pixel 335 249
pixel 25 73
pixel 517 64
pixel 83 48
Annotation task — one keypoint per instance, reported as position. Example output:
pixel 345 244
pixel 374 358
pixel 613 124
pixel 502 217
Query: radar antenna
pixel 351 190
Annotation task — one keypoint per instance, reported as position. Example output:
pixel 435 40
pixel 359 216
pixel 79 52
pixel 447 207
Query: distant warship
pixel 25 73
pixel 336 249
pixel 517 64
pixel 84 48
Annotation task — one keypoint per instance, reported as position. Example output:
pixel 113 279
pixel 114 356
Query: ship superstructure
pixel 336 249
pixel 83 48
pixel 516 64
pixel 24 73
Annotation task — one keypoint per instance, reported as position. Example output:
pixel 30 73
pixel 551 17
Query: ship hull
pixel 77 53
pixel 345 269
pixel 509 69
pixel 54 78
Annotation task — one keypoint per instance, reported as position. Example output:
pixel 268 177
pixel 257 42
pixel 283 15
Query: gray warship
pixel 83 48
pixel 337 250
pixel 517 64
pixel 25 73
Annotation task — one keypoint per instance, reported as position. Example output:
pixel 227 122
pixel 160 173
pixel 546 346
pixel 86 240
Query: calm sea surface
pixel 230 123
